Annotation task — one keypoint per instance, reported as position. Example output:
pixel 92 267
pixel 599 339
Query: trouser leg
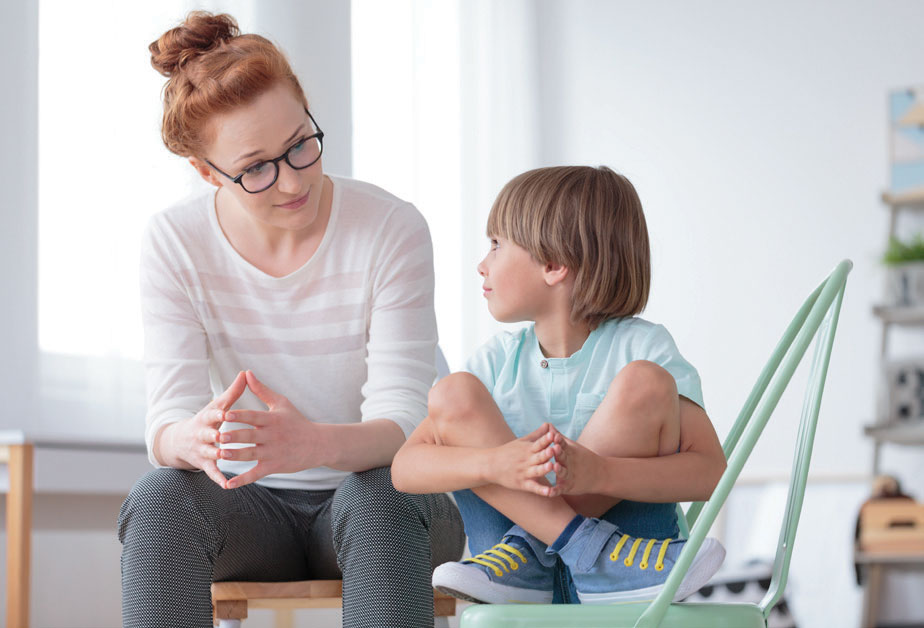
pixel 179 530
pixel 387 545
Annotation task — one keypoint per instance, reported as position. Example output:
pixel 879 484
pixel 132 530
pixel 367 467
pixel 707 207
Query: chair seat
pixel 231 600
pixel 680 615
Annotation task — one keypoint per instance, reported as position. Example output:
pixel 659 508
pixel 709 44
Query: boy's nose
pixel 482 269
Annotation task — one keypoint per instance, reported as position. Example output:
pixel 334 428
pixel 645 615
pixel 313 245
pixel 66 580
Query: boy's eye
pixel 494 244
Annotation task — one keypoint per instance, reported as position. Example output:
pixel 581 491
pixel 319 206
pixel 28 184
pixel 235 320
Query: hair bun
pixel 200 32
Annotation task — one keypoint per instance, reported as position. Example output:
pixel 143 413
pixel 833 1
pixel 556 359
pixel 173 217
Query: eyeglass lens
pixel 262 175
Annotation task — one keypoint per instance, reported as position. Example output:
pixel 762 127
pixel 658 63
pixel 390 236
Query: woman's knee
pixel 368 501
pixel 164 495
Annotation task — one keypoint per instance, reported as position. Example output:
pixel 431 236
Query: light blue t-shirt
pixel 530 388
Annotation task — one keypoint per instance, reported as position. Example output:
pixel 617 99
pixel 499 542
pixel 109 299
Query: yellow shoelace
pixel 489 558
pixel 659 563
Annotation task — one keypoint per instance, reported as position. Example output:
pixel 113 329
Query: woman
pixel 305 301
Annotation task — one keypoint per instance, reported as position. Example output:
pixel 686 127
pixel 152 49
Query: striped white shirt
pixel 348 337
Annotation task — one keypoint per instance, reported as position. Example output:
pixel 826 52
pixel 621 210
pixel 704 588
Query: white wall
pixel 18 220
pixel 756 134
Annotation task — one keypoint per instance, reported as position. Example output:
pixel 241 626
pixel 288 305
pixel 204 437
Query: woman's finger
pixel 208 435
pixel 212 416
pixel 257 418
pixel 211 470
pixel 247 435
pixel 209 452
pixel 241 453
pixel 263 392
pixel 233 392
pixel 249 477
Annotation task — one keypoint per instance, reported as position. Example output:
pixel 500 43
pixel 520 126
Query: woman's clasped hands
pixel 280 438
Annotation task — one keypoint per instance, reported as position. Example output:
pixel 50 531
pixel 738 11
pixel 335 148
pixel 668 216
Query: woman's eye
pixel 260 168
pixel 297 148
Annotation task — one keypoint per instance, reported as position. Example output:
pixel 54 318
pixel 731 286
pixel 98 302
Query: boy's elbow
pixel 399 474
pixel 717 470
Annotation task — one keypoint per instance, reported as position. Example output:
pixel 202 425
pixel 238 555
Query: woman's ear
pixel 554 274
pixel 205 172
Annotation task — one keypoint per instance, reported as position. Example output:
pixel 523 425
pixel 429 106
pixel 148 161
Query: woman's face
pixel 260 131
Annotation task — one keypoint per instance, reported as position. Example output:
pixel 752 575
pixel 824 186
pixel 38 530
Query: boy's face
pixel 514 283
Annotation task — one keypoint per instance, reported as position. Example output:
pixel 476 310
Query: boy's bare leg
pixel 465 415
pixel 638 418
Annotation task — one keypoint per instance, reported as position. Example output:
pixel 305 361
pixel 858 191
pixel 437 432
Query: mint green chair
pixel 816 319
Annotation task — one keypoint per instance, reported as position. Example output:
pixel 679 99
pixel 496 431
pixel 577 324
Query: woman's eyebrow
pixel 257 152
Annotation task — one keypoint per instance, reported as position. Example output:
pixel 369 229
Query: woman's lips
pixel 296 203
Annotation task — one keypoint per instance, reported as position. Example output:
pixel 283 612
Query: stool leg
pixel 229 623
pixel 440 622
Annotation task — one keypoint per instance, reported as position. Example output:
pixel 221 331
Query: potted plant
pixel 905 268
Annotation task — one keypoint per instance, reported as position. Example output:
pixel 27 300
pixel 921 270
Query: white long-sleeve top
pixel 348 337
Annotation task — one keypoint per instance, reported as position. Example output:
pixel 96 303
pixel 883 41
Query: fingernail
pixel 226 438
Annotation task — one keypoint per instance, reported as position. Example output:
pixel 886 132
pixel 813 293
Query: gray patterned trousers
pixel 180 532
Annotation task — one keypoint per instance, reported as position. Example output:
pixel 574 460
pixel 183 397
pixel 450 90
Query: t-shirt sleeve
pixel 659 347
pixel 175 347
pixel 402 329
pixel 485 363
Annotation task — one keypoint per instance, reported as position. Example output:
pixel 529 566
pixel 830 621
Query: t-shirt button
pixel 544 364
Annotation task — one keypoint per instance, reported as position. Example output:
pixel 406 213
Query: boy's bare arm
pixel 689 475
pixel 423 465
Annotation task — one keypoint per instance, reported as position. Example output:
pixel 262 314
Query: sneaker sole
pixel 461 582
pixel 704 565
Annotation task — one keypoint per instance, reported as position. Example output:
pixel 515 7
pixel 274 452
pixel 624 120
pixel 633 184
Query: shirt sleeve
pixel 176 361
pixel 485 363
pixel 402 329
pixel 659 347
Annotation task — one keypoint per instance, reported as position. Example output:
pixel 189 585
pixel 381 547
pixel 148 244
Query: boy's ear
pixel 554 274
pixel 205 172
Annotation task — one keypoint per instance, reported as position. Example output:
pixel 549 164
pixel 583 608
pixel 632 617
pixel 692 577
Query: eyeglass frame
pixel 275 162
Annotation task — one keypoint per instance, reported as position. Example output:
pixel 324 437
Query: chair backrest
pixel 817 319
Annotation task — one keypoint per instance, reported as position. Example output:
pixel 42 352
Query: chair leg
pixel 285 618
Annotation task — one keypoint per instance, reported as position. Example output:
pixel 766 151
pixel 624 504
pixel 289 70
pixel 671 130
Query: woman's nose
pixel 289 180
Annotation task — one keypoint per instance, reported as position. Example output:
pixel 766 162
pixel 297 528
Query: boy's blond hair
pixel 589 220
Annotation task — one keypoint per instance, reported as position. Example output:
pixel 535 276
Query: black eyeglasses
pixel 303 154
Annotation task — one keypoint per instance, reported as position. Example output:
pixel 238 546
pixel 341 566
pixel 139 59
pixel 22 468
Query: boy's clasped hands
pixel 523 464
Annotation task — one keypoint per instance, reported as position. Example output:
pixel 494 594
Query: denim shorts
pixel 485 527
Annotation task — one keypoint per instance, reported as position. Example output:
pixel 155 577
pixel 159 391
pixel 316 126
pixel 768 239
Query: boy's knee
pixel 455 396
pixel 643 383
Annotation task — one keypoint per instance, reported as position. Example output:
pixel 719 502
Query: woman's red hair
pixel 212 69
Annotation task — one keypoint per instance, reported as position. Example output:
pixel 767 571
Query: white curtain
pixel 444 113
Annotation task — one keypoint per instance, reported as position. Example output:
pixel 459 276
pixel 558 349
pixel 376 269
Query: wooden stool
pixel 230 600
